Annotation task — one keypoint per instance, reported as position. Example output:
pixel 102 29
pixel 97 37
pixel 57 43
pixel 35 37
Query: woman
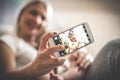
pixel 25 55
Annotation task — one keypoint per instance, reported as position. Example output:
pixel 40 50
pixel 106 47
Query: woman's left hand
pixel 79 63
pixel 54 76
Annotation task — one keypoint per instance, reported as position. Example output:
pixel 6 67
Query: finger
pixel 76 55
pixel 73 57
pixel 86 61
pixel 87 65
pixel 90 58
pixel 81 58
pixel 53 49
pixel 55 62
pixel 44 40
pixel 53 76
pixel 59 60
pixel 83 63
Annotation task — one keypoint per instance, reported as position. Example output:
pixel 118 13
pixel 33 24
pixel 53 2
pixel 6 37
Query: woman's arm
pixel 42 64
pixel 8 65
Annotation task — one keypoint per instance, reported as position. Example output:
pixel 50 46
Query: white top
pixel 24 52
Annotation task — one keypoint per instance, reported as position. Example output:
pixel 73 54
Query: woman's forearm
pixel 25 73
pixel 8 69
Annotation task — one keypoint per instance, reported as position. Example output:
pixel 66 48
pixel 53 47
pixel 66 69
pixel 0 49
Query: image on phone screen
pixel 75 38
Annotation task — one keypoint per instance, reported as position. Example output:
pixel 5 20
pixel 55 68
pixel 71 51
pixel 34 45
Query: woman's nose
pixel 38 20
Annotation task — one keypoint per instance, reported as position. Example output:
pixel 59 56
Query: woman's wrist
pixel 64 77
pixel 30 71
pixel 60 77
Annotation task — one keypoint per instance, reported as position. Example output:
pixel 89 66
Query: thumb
pixel 44 40
pixel 59 61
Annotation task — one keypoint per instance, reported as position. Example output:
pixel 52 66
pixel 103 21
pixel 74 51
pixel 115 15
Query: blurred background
pixel 103 17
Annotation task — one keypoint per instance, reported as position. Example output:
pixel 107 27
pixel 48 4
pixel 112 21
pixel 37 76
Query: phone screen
pixel 75 38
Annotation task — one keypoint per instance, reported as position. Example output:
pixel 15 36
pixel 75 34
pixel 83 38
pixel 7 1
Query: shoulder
pixel 9 40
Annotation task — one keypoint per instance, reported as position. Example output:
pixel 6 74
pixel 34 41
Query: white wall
pixel 103 18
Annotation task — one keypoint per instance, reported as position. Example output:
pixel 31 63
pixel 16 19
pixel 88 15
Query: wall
pixel 103 17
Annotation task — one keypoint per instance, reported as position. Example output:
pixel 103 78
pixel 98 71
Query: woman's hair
pixel 31 3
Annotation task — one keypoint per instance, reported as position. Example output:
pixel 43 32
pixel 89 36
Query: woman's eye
pixel 43 18
pixel 34 13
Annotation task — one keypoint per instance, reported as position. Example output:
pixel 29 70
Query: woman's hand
pixel 79 64
pixel 54 76
pixel 81 59
pixel 45 60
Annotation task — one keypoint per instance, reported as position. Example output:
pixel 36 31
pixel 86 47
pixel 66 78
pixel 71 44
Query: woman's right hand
pixel 45 60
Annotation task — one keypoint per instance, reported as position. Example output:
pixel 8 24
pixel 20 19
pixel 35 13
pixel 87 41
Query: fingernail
pixel 77 64
pixel 66 46
pixel 54 32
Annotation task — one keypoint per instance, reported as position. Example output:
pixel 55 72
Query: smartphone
pixel 75 38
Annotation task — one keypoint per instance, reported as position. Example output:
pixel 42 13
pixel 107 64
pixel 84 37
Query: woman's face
pixel 32 20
